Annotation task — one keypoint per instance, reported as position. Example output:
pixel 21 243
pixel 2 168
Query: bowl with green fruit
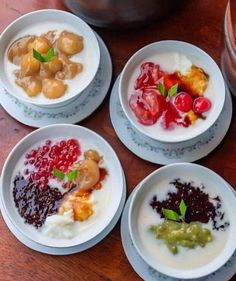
pixel 181 220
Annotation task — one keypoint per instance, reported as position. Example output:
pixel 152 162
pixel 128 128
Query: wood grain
pixel 200 23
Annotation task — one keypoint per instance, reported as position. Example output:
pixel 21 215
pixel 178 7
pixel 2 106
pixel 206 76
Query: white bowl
pixel 199 58
pixel 212 181
pixel 39 22
pixel 86 136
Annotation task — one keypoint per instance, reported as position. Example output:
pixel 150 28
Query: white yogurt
pixel 157 249
pixel 83 57
pixel 170 62
pixel 58 226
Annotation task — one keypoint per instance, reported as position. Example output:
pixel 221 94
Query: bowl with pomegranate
pixel 171 91
pixel 46 61
pixel 61 185
pixel 181 221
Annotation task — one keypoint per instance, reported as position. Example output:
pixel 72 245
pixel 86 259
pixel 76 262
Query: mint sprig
pixel 49 55
pixel 172 91
pixel 174 216
pixel 171 215
pixel 72 175
pixel 58 174
pixel 182 208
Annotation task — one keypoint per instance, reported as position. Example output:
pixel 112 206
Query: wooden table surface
pixel 200 23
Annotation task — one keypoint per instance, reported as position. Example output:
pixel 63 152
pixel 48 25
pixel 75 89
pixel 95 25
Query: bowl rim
pixel 18 145
pixel 53 103
pixel 167 270
pixel 162 138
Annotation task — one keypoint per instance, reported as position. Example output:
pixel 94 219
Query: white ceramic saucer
pixel 147 273
pixel 68 250
pixel 166 153
pixel 72 113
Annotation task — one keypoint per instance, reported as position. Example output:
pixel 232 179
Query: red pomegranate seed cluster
pixel 44 159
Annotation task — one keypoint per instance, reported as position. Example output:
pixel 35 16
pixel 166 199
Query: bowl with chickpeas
pixel 48 57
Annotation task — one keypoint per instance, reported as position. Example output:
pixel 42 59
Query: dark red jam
pixel 200 207
pixel 34 205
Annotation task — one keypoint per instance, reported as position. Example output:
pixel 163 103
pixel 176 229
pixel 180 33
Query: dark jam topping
pixel 34 205
pixel 201 207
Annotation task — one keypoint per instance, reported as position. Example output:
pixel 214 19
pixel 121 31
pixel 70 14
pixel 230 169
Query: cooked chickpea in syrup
pixel 46 77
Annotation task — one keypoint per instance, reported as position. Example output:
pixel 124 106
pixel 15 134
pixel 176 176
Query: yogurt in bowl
pixel 171 91
pixel 45 61
pixel 181 221
pixel 61 185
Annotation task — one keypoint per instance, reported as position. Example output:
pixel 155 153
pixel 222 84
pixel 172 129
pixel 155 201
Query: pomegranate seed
pixel 26 171
pixel 26 163
pixel 62 143
pixel 48 142
pixel 46 149
pixel 31 161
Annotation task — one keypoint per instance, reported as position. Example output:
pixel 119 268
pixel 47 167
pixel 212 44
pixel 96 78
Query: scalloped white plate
pixel 71 113
pixel 167 153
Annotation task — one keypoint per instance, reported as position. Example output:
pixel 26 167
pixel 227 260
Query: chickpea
pixel 53 88
pixel 92 154
pixel 29 65
pixel 40 44
pixel 55 65
pixel 19 48
pixel 34 87
pixel 45 71
pixel 70 43
pixel 31 85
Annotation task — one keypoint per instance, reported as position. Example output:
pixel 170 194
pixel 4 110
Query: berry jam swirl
pixel 173 98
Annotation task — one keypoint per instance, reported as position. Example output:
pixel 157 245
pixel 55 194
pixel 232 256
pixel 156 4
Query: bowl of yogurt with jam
pixel 47 61
pixel 171 91
pixel 181 221
pixel 61 185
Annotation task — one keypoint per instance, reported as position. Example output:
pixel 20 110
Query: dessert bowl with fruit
pixel 46 61
pixel 61 185
pixel 181 221
pixel 171 91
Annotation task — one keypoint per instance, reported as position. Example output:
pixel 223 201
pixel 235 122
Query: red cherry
pixel 183 102
pixel 201 105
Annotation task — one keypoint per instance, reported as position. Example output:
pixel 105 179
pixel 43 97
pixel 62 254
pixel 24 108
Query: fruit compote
pixel 170 98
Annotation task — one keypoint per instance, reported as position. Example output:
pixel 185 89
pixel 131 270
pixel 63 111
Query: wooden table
pixel 200 23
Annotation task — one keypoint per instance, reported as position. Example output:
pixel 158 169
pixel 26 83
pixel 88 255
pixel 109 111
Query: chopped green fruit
pixel 177 234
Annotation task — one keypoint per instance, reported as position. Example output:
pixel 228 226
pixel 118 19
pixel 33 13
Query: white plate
pixel 166 153
pixel 69 250
pixel 74 112
pixel 147 273
pixel 87 139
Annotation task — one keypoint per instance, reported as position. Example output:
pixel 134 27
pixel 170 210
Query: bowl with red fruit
pixel 171 91
pixel 61 185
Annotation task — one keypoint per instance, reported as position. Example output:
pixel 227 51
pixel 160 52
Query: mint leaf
pixel 162 89
pixel 49 55
pixel 37 56
pixel 72 175
pixel 59 174
pixel 173 90
pixel 182 208
pixel 170 215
